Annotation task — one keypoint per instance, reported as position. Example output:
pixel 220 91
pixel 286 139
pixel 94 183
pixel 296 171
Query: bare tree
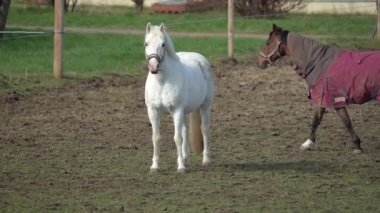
pixel 4 9
pixel 264 7
pixel 67 5
pixel 139 5
pixel 73 3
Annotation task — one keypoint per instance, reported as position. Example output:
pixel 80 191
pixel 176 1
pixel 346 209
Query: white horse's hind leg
pixel 206 118
pixel 154 117
pixel 179 120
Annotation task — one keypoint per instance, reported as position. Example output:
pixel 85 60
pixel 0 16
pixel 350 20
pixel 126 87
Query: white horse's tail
pixel 195 132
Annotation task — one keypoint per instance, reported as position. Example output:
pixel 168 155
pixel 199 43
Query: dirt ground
pixel 58 145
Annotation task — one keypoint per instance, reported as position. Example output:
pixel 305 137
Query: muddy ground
pixel 87 148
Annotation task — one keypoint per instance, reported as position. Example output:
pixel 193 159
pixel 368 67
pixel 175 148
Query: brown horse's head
pixel 275 47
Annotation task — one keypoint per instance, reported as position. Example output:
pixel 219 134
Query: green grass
pixel 27 62
pixel 209 21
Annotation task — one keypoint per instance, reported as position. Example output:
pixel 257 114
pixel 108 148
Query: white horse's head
pixel 154 46
pixel 158 45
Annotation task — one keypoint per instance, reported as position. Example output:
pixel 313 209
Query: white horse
pixel 180 83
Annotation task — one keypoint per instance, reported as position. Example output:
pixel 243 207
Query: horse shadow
pixel 303 166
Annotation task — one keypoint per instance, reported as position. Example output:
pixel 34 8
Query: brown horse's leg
pixel 316 121
pixel 317 118
pixel 342 112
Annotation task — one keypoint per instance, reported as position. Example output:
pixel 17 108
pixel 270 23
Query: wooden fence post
pixel 378 19
pixel 58 38
pixel 230 29
pixel 4 9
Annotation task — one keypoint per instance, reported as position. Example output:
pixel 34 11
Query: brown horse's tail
pixel 195 132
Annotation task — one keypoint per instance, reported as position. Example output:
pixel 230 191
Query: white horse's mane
pixel 169 46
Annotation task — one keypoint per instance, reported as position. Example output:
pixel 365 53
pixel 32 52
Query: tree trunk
pixel 139 5
pixel 4 8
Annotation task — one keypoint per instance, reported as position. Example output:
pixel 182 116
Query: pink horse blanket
pixel 352 78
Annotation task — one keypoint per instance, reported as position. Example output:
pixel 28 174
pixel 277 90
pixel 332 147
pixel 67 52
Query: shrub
pixel 265 7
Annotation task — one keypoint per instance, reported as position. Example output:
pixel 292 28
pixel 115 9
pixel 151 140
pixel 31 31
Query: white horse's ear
pixel 162 27
pixel 148 27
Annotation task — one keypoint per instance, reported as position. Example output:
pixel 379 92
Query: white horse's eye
pixel 163 45
pixel 146 44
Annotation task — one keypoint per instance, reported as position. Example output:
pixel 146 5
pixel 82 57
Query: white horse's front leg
pixel 179 119
pixel 185 144
pixel 154 117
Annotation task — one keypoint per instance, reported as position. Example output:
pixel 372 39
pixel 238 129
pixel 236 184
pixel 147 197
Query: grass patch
pixel 353 43
pixel 208 21
pixel 27 61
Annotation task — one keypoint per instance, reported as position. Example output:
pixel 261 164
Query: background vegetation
pixel 27 60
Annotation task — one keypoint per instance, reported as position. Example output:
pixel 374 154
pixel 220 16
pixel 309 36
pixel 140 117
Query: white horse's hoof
pixel 206 160
pixel 357 151
pixel 181 170
pixel 206 163
pixel 153 170
pixel 307 145
pixel 154 167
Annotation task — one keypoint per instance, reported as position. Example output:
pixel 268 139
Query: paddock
pixel 87 147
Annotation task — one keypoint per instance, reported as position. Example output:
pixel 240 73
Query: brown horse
pixel 335 77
